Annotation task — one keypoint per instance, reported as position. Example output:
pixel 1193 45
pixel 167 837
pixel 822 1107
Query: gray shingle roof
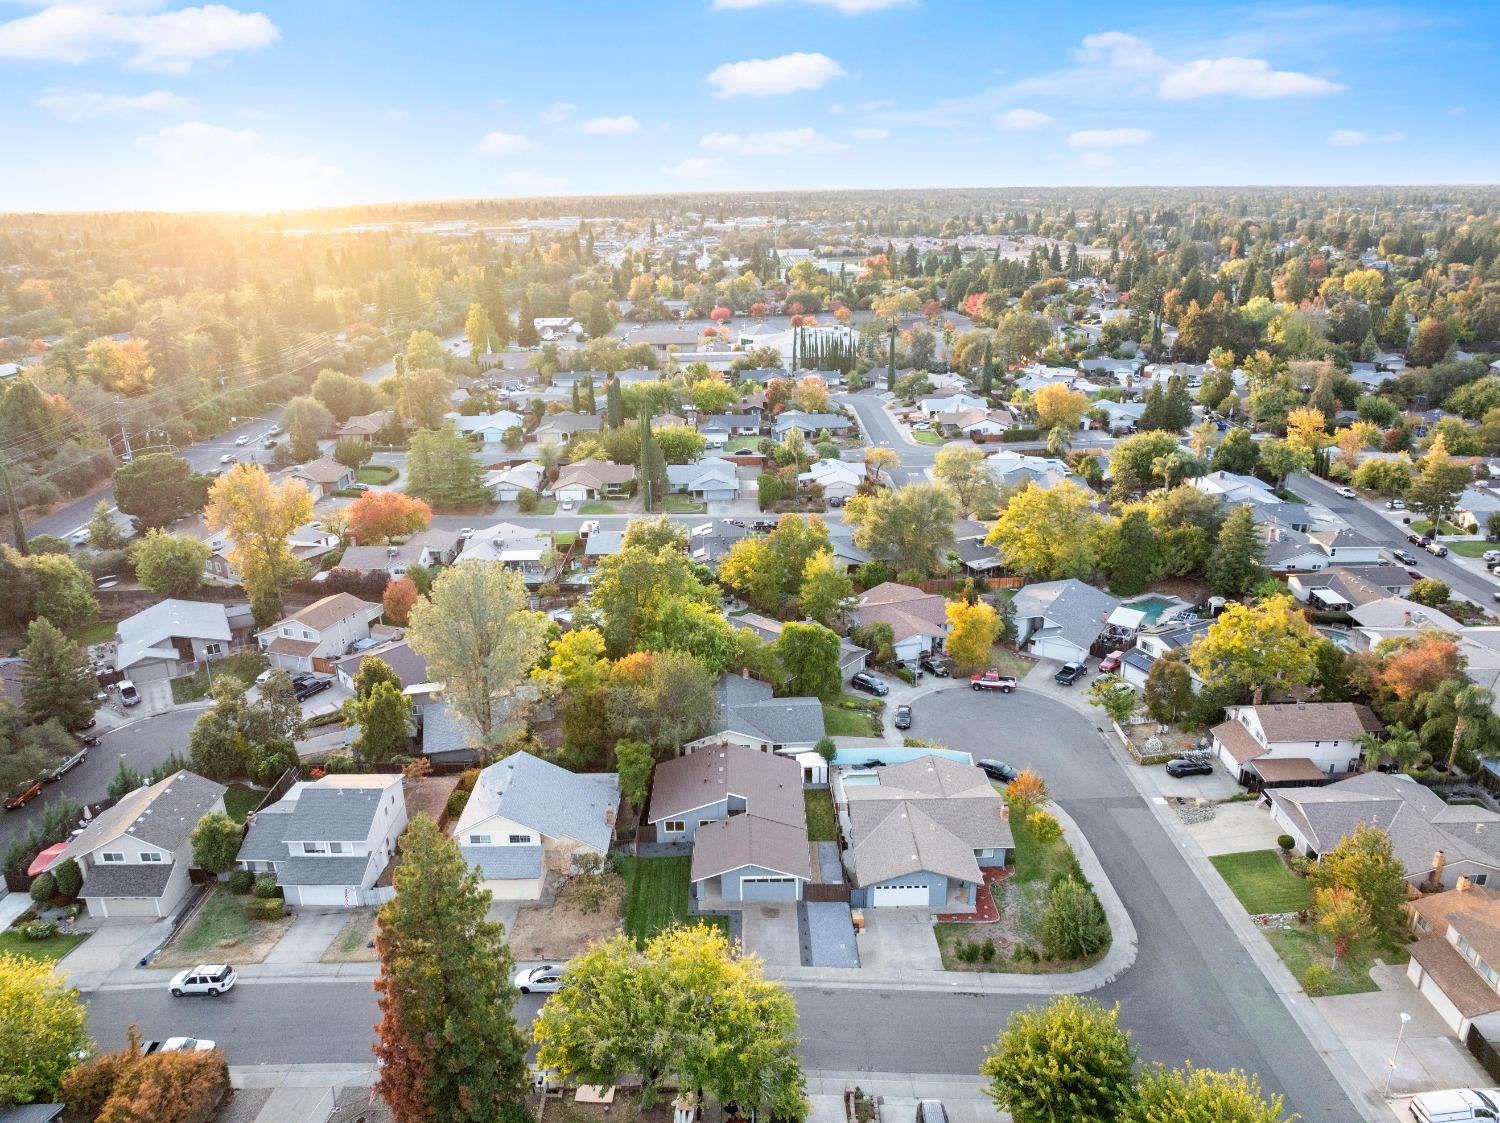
pixel 746 706
pixel 334 814
pixel 749 840
pixel 770 785
pixel 163 814
pixel 318 869
pixel 538 794
pixel 1070 607
pixel 265 841
pixel 444 729
pixel 125 880
pixel 503 863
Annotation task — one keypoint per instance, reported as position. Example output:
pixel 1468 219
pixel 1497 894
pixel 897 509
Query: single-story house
pixel 749 715
pixel 918 620
pixel 397 654
pixel 447 736
pixel 922 835
pixel 323 476
pixel 1391 617
pixel 563 427
pixel 1014 469
pixel 1323 733
pixel 518 547
pixel 592 479
pixel 329 841
pixel 439 547
pixel 1340 588
pixel 742 811
pixel 1061 619
pixel 489 427
pixel 1455 961
pixel 709 542
pixel 173 636
pixel 708 480
pixel 527 817
pixel 364 427
pixel 810 424
pixel 393 560
pixel 311 638
pixel 839 479
pixel 725 426
pixel 508 483
pixel 135 855
pixel 950 402
pixel 1120 417
pixel 1347 547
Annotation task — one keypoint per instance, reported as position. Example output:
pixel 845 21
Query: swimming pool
pixel 860 779
pixel 1154 607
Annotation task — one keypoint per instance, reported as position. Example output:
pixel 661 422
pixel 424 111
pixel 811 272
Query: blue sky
pixel 163 104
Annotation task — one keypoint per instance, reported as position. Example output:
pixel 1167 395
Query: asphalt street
pixel 1193 993
pixel 142 744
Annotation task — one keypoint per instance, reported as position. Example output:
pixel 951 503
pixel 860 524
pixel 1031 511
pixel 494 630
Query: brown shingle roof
pixel 909 611
pixel 321 471
pixel 330 610
pixel 750 840
pixel 1316 721
pixel 1237 739
pixel 1454 976
pixel 770 785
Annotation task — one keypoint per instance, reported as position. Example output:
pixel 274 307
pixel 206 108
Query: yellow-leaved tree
pixel 1255 647
pixel 258 516
pixel 1048 532
pixel 43 1030
pixel 972 631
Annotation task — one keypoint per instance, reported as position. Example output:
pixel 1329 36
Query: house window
pixel 337 848
pixel 314 848
pixel 111 857
pixel 519 839
pixel 704 822
pixel 151 856
pixel 213 649
pixel 479 840
pixel 1480 878
pixel 1423 924
pixel 674 826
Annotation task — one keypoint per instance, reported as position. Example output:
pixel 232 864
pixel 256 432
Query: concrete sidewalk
pixel 300 1093
pixel 963 1097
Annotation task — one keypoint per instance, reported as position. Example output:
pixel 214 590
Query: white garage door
pixel 322 896
pixel 899 896
pixel 1050 648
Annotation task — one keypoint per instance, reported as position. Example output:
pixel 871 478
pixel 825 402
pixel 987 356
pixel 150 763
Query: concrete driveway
pixel 115 945
pixel 771 932
pixel 308 938
pixel 896 940
pixel 1235 827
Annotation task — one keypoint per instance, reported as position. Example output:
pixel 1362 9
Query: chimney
pixel 609 816
pixel 1462 885
pixel 1439 860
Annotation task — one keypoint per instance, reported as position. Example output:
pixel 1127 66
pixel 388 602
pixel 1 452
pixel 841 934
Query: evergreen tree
pixel 55 679
pixel 448 1043
pixel 526 334
pixel 890 366
pixel 589 402
pixel 987 369
pixel 1234 568
pixel 577 402
pixel 1132 558
pixel 653 466
pixel 614 402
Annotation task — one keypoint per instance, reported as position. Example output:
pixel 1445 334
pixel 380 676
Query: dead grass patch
pixel 565 930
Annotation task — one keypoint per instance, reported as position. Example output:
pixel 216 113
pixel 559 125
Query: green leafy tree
pixel 43 1030
pixel 1200 1095
pixel 56 682
pixel 125 780
pixel 447 1042
pixel 307 421
pixel 1133 460
pixel 1235 565
pixel 156 488
pixel 810 654
pixel 103 533
pixel 170 565
pixel 1169 690
pixel 258 516
pixel 827 590
pixel 910 529
pixel 1073 922
pixel 635 762
pixel 443 469
pixel 1048 532
pixel 665 698
pixel 1114 696
pixel 64 594
pixel 1278 460
pixel 343 395
pixel 1257 648
pixel 372 672
pixel 964 471
pixel 1236 453
pixel 233 733
pixel 352 453
pixel 216 840
pixel 383 716
pixel 1437 487
pixel 1365 863
pixel 1069 1060
pixel 1131 559
pixel 631 586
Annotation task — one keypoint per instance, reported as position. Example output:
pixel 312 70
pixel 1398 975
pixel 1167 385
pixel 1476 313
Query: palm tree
pixel 1166 466
pixel 1400 745
pixel 1465 709
pixel 1058 440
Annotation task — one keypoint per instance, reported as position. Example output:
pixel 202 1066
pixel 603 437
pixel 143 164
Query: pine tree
pixel 55 679
pixel 1234 567
pixel 653 466
pixel 526 334
pixel 448 1043
pixel 987 369
pixel 577 403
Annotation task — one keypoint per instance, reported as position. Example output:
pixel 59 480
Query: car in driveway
pixel 212 979
pixel 935 665
pixel 992 680
pixel 308 687
pixel 1395 505
pixel 1348 493
pixel 129 695
pixel 1188 766
pixel 869 684
pixel 903 717
pixel 1111 662
pixel 358 487
pixel 1070 673
pixel 540 980
pixel 1403 557
pixel 996 769
pixel 1456 1105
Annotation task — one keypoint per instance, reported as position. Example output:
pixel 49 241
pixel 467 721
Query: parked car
pixel 920 427
pixel 903 717
pixel 996 770
pixel 358 487
pixel 29 791
pixel 1456 1105
pixel 1348 493
pixel 992 680
pixel 68 765
pixel 1187 766
pixel 129 695
pixel 1436 549
pixel 1403 557
pixel 869 684
pixel 1070 673
pixel 1111 662
pixel 566 504
pixel 1395 505
pixel 212 979
pixel 273 430
pixel 934 664
pixel 226 459
pixel 306 690
pixel 178 1045
pixel 1491 557
pixel 540 980
pixel 1418 539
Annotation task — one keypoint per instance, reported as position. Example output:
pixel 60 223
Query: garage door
pixel 768 888
pixel 899 896
pixel 322 896
pixel 1049 648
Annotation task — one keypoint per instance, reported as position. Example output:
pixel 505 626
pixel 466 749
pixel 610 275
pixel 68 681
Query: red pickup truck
pixel 992 680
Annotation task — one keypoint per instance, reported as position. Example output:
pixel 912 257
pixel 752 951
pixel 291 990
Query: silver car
pixel 540 980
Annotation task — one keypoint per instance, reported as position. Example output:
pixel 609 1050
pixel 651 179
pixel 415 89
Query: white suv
pixel 212 979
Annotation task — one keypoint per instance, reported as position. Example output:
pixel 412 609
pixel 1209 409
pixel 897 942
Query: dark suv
pixel 869 684
pixel 934 664
pixel 1070 673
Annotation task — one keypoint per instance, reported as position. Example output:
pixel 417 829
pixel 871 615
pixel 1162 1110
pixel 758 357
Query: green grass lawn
pixel 100 632
pixel 1471 548
pixel 822 823
pixel 222 917
pixel 1035 860
pixel 240 800
pixel 682 505
pixel 1262 882
pixel 1422 526
pixel 742 444
pixel 596 507
pixel 189 688
pixel 43 951
pixel 928 437
pixel 378 474
pixel 1300 948
pixel 853 716
pixel 657 897
pixel 564 538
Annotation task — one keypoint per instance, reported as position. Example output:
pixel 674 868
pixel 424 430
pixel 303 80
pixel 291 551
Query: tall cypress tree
pixel 614 402
pixel 890 366
pixel 653 466
pixel 987 369
pixel 577 403
pixel 589 402
pixel 526 334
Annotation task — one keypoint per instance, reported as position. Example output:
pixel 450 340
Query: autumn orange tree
pixel 399 597
pixel 1027 790
pixel 1407 667
pixel 379 516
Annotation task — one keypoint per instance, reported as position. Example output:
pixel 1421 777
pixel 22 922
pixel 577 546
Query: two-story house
pixel 135 856
pixel 918 620
pixel 174 636
pixel 1455 961
pixel 748 714
pixel 311 638
pixel 1319 738
pixel 329 842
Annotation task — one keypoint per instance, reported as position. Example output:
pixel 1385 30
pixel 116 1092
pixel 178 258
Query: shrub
pixel 69 878
pixel 456 803
pixel 88 1085
pixel 1286 842
pixel 825 748
pixel 265 887
pixel 272 908
pixel 1073 922
pixel 170 1088
pixel 339 763
pixel 43 888
pixel 987 950
pixel 241 882
pixel 467 779
pixel 906 676
pixel 526 501
pixel 1317 979
pixel 39 929
pixel 1044 826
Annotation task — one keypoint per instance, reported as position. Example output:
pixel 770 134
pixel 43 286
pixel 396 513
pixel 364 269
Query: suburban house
pixel 173 636
pixel 742 811
pixel 1436 842
pixel 922 835
pixel 1391 617
pixel 508 483
pixel 563 427
pixel 592 479
pixel 395 561
pixel 839 479
pixel 329 842
pixel 309 543
pixel 1013 470
pixel 710 480
pixel 1340 588
pixel 1061 619
pixel 135 855
pixel 364 427
pixel 709 542
pixel 851 656
pixel 977 559
pixel 748 715
pixel 518 547
pixel 1455 961
pixel 918 620
pixel 311 638
pixel 810 424
pixel 977 422
pixel 1160 641
pixel 527 818
pixel 720 428
pixel 490 428
pixel 1347 547
pixel 439 547
pixel 323 476
pixel 447 736
pixel 1119 417
pixel 1297 742
pixel 935 404
pixel 397 654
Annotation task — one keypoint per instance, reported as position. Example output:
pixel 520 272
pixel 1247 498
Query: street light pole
pixel 1390 1071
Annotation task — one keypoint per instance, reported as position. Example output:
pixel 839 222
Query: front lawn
pixel 598 507
pixel 377 474
pixel 240 800
pixel 1262 882
pixel 822 822
pixel 928 437
pixel 852 716
pixel 742 444
pixel 564 538
pixel 657 895
pixel 1471 547
pixel 1422 526
pixel 1009 662
pixel 190 688
pixel 42 951
pixel 682 505
pixel 1301 948
pixel 221 932
pixel 352 944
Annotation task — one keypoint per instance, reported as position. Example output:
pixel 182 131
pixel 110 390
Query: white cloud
pixel 1014 119
pixel 785 74
pixel 1353 138
pixel 781 143
pixel 151 36
pixel 869 132
pixel 558 112
pixel 1108 138
pixel 847 7
pixel 535 180
pixel 1240 77
pixel 77 105
pixel 612 126
pixel 699 167
pixel 220 168
pixel 503 144
pixel 1119 50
